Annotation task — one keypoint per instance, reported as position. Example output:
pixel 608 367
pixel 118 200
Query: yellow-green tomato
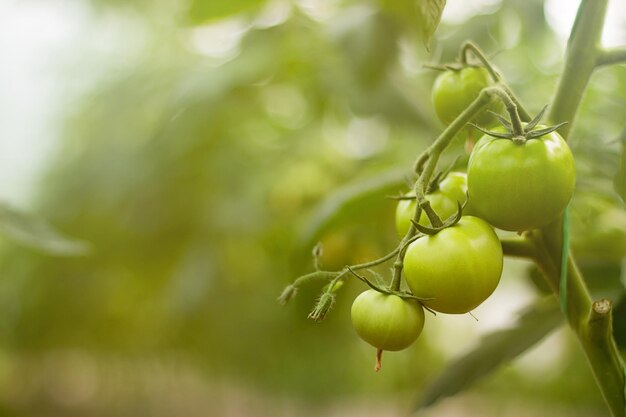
pixel 457 268
pixel 444 200
pixel 387 322
pixel 454 91
pixel 520 186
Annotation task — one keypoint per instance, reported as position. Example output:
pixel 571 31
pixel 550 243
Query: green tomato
pixel 387 322
pixel 444 201
pixel 458 268
pixel 521 186
pixel 453 91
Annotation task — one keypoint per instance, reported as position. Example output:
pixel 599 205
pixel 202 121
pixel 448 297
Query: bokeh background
pixel 201 147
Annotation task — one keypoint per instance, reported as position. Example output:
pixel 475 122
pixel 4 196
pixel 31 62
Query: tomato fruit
pixel 387 322
pixel 454 90
pixel 444 200
pixel 521 185
pixel 458 268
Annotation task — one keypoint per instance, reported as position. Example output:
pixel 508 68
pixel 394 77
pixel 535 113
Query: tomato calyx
pixel 387 291
pixel 449 222
pixel 434 184
pixel 527 132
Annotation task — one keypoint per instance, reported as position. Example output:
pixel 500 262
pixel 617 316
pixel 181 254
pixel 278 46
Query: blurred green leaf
pixel 367 195
pixel 369 41
pixel 598 226
pixel 429 14
pixel 604 279
pixel 424 15
pixel 494 350
pixel 205 10
pixel 619 323
pixel 33 232
pixel 620 177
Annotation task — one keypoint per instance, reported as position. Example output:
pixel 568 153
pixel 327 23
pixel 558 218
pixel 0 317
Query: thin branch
pixel 611 56
pixel 518 247
pixel 478 53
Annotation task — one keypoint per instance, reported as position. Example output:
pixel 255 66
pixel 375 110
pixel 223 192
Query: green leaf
pixel 351 200
pixel 423 15
pixel 202 11
pixel 619 323
pixel 35 233
pixel 620 177
pixel 429 14
pixel 494 350
pixel 603 278
pixel 370 42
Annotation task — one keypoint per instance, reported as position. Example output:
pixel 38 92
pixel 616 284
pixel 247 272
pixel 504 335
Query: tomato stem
pixel 478 53
pixel 379 360
pixel 435 220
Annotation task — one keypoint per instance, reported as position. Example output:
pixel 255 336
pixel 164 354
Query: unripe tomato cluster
pixel 516 183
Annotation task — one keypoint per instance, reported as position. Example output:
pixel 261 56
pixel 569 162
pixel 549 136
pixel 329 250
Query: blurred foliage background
pixel 202 147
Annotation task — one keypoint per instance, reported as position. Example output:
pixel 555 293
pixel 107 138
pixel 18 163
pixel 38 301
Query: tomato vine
pixel 590 320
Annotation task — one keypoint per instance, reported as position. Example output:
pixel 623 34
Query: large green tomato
pixel 444 200
pixel 453 91
pixel 387 322
pixel 458 268
pixel 521 186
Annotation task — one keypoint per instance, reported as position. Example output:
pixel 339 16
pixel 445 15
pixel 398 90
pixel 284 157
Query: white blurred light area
pixel 51 52
pixel 32 36
pixel 560 16
pixel 458 11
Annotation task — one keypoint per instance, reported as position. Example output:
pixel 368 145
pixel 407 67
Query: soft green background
pixel 193 161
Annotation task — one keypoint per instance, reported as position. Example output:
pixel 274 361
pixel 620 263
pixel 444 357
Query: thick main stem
pixel 581 58
pixel 590 325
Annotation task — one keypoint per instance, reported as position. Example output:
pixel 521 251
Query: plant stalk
pixel 583 50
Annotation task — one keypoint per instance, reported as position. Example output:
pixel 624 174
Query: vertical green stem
pixel 590 321
pixel 581 57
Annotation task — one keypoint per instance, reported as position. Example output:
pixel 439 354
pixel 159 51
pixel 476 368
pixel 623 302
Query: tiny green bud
pixel 288 293
pixel 317 254
pixel 323 306
pixel 317 250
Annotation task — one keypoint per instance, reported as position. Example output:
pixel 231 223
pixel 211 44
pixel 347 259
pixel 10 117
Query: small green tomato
pixel 387 322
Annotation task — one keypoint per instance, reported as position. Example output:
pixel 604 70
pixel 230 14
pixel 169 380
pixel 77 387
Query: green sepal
pixel 451 221
pixel 504 122
pixel 538 133
pixel 494 134
pixel 535 121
